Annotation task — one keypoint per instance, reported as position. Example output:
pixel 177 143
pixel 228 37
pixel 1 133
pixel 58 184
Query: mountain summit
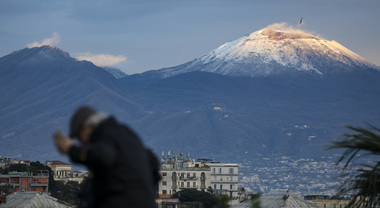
pixel 272 51
pixel 37 54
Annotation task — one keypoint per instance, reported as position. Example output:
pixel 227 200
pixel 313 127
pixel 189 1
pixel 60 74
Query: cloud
pixel 289 28
pixel 102 59
pixel 55 39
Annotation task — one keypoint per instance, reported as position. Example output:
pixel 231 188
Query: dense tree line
pixel 190 198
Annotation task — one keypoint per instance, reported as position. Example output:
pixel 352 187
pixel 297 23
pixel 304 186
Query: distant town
pixel 307 179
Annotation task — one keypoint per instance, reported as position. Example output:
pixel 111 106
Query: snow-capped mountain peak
pixel 273 51
pixel 36 54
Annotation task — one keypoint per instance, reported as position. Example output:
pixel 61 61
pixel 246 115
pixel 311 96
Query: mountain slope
pixel 41 87
pixel 261 107
pixel 223 116
pixel 270 52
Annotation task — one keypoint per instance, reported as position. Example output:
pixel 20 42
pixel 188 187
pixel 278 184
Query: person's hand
pixel 63 142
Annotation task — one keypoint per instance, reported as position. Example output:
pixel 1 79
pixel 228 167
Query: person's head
pixel 83 123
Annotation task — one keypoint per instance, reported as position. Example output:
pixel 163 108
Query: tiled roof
pixel 32 200
pixel 278 201
pixel 56 162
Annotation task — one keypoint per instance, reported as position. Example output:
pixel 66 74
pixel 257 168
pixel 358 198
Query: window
pixel 164 183
pixel 231 171
pixel 214 186
pixel 230 186
pixel 203 176
pixel 188 184
pixel 163 191
pixel 213 171
pixel 163 173
pixel 220 170
pixel 194 184
pixel 194 175
pixel 182 184
pixel 221 187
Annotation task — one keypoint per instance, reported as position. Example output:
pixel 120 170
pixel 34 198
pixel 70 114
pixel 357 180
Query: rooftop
pixel 278 201
pixel 31 200
pixel 56 162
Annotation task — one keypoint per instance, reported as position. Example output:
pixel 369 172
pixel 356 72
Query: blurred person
pixel 123 172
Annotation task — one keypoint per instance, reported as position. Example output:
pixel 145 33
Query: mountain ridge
pixel 222 115
pixel 268 51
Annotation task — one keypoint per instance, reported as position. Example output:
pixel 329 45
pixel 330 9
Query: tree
pixel 255 199
pixel 194 196
pixel 364 183
pixel 223 201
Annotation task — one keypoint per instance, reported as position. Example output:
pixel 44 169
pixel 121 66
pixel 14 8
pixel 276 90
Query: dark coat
pixel 121 167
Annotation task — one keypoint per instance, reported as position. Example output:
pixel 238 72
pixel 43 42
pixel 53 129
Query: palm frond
pixel 364 183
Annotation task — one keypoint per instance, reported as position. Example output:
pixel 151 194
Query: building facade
pixel 179 174
pixel 225 180
pixel 26 182
pixel 60 169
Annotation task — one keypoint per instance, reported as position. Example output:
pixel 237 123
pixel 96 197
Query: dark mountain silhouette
pixel 40 88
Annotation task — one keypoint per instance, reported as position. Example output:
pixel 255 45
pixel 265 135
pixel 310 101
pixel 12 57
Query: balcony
pixel 191 187
pixel 232 182
pixel 188 178
pixel 38 184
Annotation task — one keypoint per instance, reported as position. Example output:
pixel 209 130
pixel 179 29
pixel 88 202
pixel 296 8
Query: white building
pixel 60 169
pixel 224 180
pixel 179 174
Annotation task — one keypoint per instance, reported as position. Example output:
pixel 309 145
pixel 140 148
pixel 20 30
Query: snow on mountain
pixel 273 51
pixel 117 73
pixel 36 54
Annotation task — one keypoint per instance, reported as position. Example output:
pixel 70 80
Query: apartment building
pixel 224 180
pixel 60 169
pixel 24 181
pixel 180 173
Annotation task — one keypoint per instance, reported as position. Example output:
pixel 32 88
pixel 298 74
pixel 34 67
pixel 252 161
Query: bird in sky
pixel 301 21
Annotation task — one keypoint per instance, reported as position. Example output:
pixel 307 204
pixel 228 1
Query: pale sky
pixel 141 35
